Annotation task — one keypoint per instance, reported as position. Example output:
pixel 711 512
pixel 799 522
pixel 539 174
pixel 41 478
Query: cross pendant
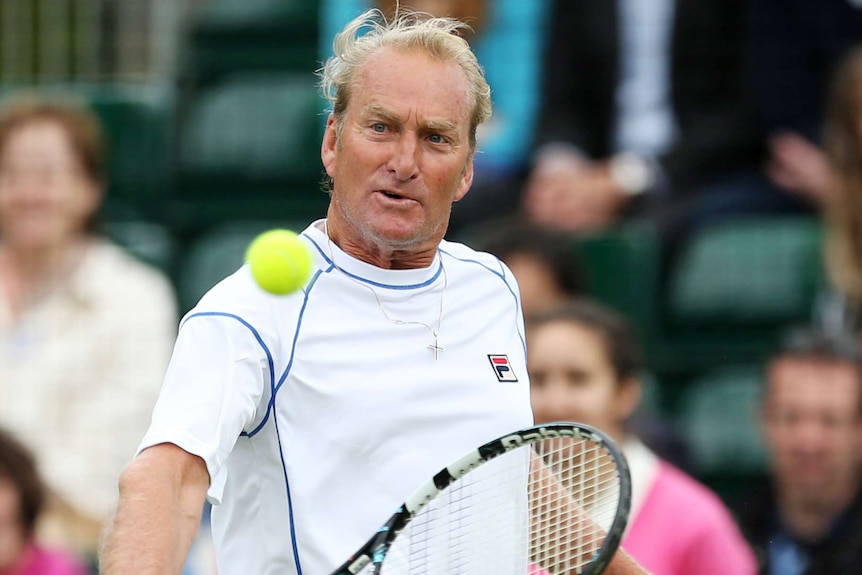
pixel 435 348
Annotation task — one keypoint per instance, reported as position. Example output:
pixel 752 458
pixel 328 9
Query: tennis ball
pixel 280 262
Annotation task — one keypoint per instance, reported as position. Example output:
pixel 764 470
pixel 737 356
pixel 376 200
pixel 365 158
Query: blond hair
pixel 844 149
pixel 437 37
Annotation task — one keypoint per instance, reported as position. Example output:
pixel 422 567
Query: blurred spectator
pixel 844 209
pixel 793 50
pixel 644 112
pixel 85 330
pixel 22 498
pixel 508 37
pixel 544 263
pixel 809 522
pixel 584 365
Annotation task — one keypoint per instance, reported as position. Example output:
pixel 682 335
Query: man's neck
pixel 810 519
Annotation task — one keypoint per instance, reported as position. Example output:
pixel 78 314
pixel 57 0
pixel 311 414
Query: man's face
pixel 403 154
pixel 812 426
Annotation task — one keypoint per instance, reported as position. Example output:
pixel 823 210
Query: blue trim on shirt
pixel 289 500
pixel 276 386
pixel 374 283
pixel 251 329
pixel 271 405
pixel 500 274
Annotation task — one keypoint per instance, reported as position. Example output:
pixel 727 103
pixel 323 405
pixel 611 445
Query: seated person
pixel 844 209
pixel 636 122
pixel 543 262
pixel 22 499
pixel 793 50
pixel 584 366
pixel 809 520
pixel 86 330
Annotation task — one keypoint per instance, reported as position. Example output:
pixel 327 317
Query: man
pixel 643 109
pixel 506 36
pixel 307 419
pixel 585 365
pixel 810 522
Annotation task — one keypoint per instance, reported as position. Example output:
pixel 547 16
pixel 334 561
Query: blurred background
pixel 213 121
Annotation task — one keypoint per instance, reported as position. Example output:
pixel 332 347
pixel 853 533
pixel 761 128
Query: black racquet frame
pixel 374 551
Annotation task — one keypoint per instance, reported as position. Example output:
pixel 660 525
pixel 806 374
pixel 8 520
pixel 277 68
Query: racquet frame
pixel 376 548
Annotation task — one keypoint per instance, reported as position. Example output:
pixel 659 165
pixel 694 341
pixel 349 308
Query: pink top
pixel 38 561
pixel 683 528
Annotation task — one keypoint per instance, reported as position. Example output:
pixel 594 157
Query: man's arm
pixel 557 519
pixel 161 499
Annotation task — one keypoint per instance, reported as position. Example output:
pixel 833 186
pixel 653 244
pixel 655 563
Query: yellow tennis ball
pixel 280 262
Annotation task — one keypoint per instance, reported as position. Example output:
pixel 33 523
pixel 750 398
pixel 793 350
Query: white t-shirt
pixel 317 414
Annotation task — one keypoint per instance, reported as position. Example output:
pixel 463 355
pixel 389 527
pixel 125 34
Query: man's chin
pixel 402 236
pixel 811 489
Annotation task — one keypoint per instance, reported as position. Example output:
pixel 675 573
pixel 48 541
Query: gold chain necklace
pixel 434 347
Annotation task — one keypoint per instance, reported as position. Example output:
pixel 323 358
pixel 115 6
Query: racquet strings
pixel 543 508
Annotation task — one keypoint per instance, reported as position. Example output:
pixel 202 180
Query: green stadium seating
pixel 247 35
pixel 249 148
pixel 621 267
pixel 749 270
pixel 717 415
pixel 218 253
pixel 150 242
pixel 138 123
pixel 736 286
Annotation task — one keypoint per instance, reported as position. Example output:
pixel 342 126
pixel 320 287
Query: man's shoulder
pixel 239 296
pixel 468 259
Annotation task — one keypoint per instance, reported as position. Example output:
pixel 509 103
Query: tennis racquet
pixel 546 500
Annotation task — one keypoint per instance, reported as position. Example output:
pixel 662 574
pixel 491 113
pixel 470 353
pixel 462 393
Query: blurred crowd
pixel 672 116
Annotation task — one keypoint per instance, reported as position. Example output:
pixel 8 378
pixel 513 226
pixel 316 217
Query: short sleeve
pixel 211 392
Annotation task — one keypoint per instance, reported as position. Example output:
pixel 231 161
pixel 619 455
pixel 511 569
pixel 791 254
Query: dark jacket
pixel 580 75
pixel 794 48
pixel 839 554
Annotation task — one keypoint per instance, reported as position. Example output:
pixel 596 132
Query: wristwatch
pixel 633 173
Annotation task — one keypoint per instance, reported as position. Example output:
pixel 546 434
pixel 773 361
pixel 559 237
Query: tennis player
pixel 307 419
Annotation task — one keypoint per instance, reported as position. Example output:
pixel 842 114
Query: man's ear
pixel 329 146
pixel 466 180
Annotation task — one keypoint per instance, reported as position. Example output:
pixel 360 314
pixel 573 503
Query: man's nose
pixel 404 161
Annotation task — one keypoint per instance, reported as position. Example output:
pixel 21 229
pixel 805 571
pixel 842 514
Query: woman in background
pixel 86 330
pixel 584 365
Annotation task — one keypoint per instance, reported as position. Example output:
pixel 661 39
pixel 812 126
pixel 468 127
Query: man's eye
pixel 437 139
pixel 378 127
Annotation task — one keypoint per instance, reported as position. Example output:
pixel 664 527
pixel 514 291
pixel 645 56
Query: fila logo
pixel 502 368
